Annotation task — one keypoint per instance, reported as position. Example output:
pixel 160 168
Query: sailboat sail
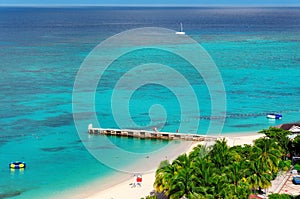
pixel 181 32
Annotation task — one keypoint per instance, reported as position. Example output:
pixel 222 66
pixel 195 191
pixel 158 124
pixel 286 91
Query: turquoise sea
pixel 256 50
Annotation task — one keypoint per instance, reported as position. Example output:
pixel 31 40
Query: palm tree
pixel 163 176
pixel 243 151
pixel 183 181
pixel 280 136
pixel 235 173
pixel 205 176
pixel 257 176
pixel 241 191
pixel 176 180
pixel 223 172
pixel 219 185
pixel 268 153
pixel 263 163
pixel 236 184
pixel 220 154
pixel 199 151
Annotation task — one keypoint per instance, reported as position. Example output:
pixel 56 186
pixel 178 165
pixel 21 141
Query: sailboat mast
pixel 181 30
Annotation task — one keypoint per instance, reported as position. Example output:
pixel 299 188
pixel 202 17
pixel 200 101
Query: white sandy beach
pixel 124 190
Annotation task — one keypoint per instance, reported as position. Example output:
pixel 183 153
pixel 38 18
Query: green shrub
pixel 150 197
pixel 297 167
pixel 285 165
pixel 280 196
pixel 288 163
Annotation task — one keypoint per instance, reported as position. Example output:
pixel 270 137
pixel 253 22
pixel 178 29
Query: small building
pixel 293 127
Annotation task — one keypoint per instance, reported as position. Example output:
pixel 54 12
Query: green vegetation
pixel 295 146
pixel 221 171
pixel 282 196
pixel 224 172
pixel 285 165
pixel 280 136
pixel 150 197
pixel 297 167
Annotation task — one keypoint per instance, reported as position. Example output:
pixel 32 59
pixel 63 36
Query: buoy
pixel 17 165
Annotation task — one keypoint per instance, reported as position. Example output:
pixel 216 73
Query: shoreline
pixel 119 185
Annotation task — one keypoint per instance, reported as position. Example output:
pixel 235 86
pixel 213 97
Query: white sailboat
pixel 181 32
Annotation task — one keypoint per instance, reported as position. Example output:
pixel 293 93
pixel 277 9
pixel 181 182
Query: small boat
pixel 274 116
pixel 181 32
pixel 17 165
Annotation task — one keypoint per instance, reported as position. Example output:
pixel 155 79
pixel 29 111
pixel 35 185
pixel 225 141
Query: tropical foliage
pixel 289 147
pixel 150 197
pixel 282 196
pixel 280 136
pixel 285 165
pixel 220 171
pixel 295 146
pixel 297 167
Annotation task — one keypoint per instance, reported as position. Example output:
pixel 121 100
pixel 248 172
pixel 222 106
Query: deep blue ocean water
pixel 257 51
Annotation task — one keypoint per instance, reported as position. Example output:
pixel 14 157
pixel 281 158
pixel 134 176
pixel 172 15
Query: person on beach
pixel 139 180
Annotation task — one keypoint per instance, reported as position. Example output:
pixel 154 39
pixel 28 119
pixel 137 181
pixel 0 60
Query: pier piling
pixel 142 134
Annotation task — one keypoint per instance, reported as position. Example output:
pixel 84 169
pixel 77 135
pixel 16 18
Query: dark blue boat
pixel 274 116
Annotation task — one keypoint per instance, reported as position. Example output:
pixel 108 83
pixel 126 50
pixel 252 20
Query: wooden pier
pixel 142 134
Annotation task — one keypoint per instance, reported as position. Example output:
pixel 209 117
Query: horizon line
pixel 149 5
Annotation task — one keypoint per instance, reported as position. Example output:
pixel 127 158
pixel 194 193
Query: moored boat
pixel 181 32
pixel 274 116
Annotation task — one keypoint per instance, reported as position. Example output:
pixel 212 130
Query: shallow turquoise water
pixel 258 60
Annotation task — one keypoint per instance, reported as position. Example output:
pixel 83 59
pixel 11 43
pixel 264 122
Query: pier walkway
pixel 145 134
